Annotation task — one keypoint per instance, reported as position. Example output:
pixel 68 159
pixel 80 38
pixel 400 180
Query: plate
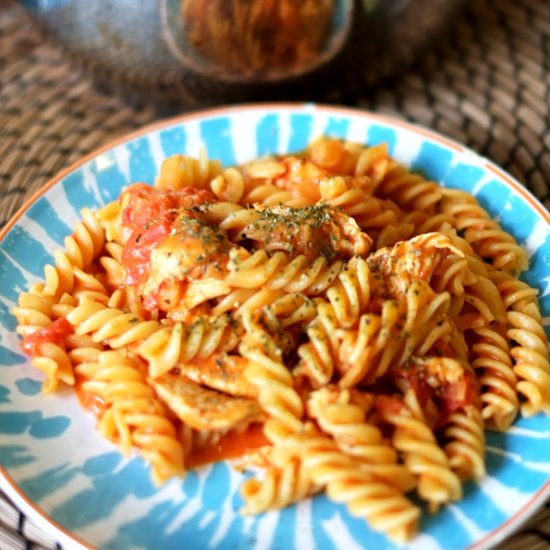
pixel 76 485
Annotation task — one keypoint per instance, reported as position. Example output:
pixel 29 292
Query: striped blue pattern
pixel 108 501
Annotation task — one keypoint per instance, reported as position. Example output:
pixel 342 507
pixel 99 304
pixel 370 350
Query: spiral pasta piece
pixel 270 195
pixel 346 421
pixel 53 361
pixel 169 346
pixel 283 484
pixel 424 222
pixel 408 190
pixel 110 217
pixel 95 377
pixel 491 356
pixel 529 342
pixel 229 186
pixel 276 394
pixel 289 310
pixel 280 272
pixel 241 301
pixel 115 275
pixel 116 327
pixel 485 235
pixel 291 180
pixel 384 507
pixel 350 293
pixel 347 298
pixel 437 483
pixel 394 336
pixel 87 286
pixel 83 246
pixel 33 310
pixel 59 278
pixel 373 162
pixel 360 349
pixel 135 417
pixel 466 448
pixel 266 371
pixel 366 164
pixel 370 213
pixel 481 304
pixel 319 355
pixel 82 349
pixel 87 240
pixel 452 275
pixel 347 480
pixel 179 171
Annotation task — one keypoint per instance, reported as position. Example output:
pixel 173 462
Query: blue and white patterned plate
pixel 76 485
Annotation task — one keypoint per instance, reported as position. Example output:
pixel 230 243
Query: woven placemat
pixel 485 84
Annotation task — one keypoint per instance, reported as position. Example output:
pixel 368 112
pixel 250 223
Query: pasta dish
pixel 333 319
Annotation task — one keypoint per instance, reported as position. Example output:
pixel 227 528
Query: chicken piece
pixel 202 408
pixel 312 231
pixel 222 372
pixel 415 259
pixel 188 267
pixel 194 249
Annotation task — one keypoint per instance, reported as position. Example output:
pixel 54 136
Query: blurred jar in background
pixel 258 39
pixel 184 54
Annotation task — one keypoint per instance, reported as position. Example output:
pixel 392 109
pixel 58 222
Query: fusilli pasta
pixel 346 322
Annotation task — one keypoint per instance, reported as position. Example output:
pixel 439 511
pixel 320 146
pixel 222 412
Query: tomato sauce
pixel 232 445
pixel 54 333
pixel 90 402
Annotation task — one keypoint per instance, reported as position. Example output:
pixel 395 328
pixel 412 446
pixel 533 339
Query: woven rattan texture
pixel 486 84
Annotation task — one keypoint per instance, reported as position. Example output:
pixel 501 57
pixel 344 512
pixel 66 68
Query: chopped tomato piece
pixel 148 205
pixel 54 333
pixel 386 404
pixel 302 177
pixel 459 394
pixel 420 386
pixel 327 153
